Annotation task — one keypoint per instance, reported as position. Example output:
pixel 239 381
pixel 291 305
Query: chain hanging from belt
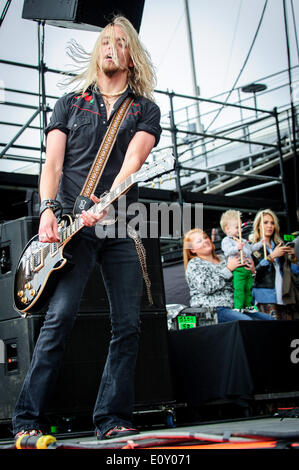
pixel 142 259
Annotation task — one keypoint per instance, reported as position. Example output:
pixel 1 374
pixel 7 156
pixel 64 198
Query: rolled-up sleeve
pixel 60 115
pixel 150 121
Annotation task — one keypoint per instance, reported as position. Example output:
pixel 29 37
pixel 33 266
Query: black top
pixel 83 118
pixel 265 273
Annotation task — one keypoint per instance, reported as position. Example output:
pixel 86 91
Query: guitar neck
pixel 152 170
pixel 109 198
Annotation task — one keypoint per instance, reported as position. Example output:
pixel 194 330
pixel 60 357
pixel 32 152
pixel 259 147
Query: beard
pixel 109 68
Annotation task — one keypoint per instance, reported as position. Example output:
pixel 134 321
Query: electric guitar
pixel 40 264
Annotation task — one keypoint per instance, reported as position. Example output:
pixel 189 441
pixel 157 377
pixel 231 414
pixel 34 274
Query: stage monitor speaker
pixel 16 233
pixel 83 363
pixel 82 14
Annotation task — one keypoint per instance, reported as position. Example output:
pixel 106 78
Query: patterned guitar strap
pixel 83 201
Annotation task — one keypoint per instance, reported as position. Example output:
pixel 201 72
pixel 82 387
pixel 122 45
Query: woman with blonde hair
pixel 270 262
pixel 209 278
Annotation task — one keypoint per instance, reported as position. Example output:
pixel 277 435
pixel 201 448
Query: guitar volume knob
pixel 28 285
pixel 20 293
pixel 24 300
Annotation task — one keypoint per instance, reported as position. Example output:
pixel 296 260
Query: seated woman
pixel 209 278
pixel 270 265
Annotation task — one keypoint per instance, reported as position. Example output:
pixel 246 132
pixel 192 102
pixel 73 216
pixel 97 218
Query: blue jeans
pixel 122 277
pixel 226 314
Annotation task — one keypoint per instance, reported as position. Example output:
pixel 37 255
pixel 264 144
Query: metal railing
pixel 249 140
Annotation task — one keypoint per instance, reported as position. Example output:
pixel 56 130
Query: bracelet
pixel 268 258
pixel 52 204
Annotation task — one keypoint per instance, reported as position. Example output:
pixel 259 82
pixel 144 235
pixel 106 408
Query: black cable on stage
pixel 146 440
pixel 244 65
pixel 34 442
pixel 151 440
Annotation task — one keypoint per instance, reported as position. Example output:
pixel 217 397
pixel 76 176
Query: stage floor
pixel 255 433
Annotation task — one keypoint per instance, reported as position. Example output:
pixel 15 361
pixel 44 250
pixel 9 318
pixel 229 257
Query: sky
pixel 222 34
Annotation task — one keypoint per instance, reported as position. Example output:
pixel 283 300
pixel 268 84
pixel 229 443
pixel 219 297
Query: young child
pixel 231 246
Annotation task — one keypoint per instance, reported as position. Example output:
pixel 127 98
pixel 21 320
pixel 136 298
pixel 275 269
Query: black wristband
pixel 52 204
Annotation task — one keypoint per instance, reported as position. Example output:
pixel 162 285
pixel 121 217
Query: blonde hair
pixel 187 245
pixel 141 77
pixel 257 234
pixel 227 217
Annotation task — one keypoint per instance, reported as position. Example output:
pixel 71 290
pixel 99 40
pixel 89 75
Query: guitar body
pixel 37 274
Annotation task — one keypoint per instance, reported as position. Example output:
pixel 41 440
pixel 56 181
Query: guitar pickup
pixel 53 248
pixel 37 260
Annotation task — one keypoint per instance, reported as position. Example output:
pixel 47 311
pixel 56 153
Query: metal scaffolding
pixel 249 143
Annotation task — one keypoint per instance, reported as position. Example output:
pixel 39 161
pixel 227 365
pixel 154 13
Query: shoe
pixel 119 431
pixel 21 438
pixel 250 309
pixel 30 433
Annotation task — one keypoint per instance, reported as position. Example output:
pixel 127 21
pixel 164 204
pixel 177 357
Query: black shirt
pixel 83 118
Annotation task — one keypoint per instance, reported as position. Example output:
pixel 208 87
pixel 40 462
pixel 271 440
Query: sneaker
pixel 29 433
pixel 250 309
pixel 119 431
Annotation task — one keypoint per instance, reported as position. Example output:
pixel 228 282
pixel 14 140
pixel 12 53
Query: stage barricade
pixel 235 359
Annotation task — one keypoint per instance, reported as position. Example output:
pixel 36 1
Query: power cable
pixel 295 29
pixel 293 114
pixel 243 67
pixel 233 40
pixel 170 41
pixel 4 11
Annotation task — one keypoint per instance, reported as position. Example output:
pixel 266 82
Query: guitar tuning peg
pixel 153 184
pixel 161 180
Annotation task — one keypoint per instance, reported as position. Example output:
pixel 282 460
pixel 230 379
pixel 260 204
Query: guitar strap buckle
pixel 82 203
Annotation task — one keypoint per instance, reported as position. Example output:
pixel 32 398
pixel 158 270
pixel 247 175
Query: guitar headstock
pixel 158 167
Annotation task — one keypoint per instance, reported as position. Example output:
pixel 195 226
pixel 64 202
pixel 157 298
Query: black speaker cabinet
pixel 14 236
pixel 83 363
pixel 94 298
pixel 82 14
